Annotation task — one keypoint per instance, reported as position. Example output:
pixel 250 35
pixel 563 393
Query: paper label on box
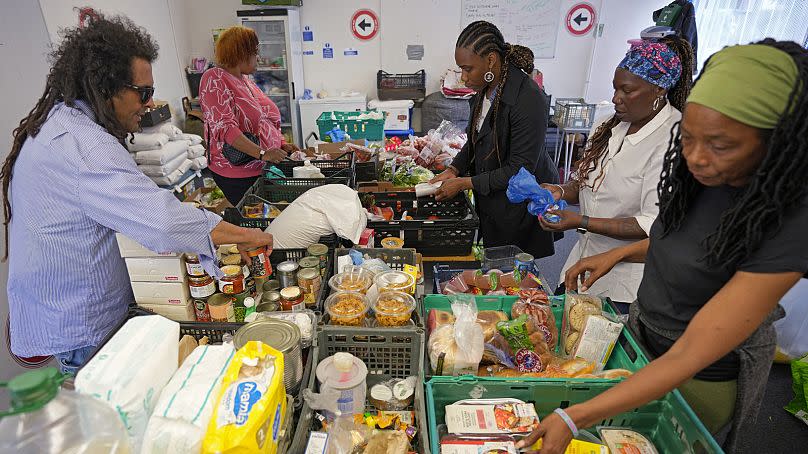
pixel 491 419
pixel 317 443
pixel 598 340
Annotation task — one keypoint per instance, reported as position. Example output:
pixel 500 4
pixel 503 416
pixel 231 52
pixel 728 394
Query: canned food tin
pixel 282 336
pixel 292 299
pixel 260 266
pixel 287 273
pixel 192 265
pixel 201 286
pixel 239 310
pixel 310 262
pixel 233 280
pixel 267 307
pixel 250 286
pixel 201 310
pixel 523 263
pixel 309 281
pixel 321 252
pixel 271 285
pixel 221 308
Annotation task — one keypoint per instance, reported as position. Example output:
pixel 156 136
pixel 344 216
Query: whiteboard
pixel 530 23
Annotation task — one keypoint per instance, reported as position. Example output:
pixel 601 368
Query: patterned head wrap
pixel 654 62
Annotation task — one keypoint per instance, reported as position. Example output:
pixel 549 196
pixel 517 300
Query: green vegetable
pixel 215 194
pixel 406 174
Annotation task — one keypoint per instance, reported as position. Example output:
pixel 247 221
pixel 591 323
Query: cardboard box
pixel 178 313
pixel 482 419
pixel 156 269
pixel 171 293
pixel 217 207
pixel 382 186
pixel 397 114
pixel 131 248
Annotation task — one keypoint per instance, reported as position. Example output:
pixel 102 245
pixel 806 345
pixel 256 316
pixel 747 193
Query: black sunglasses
pixel 145 93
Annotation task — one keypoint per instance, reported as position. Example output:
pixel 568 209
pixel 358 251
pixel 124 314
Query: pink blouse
pixel 232 106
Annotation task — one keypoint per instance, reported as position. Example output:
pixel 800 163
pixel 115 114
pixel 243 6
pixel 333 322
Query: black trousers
pixel 233 188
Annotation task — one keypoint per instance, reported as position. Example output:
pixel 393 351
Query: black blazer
pixel 520 132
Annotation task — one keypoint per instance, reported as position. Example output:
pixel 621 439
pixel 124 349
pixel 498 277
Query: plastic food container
pixel 393 308
pixel 395 281
pixel 347 308
pixel 354 279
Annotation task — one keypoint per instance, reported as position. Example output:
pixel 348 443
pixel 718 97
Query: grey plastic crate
pixel 573 114
pixel 391 351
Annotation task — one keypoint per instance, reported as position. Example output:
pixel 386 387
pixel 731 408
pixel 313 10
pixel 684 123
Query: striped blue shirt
pixel 74 185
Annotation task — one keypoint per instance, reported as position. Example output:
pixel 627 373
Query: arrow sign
pixel 364 24
pixel 580 19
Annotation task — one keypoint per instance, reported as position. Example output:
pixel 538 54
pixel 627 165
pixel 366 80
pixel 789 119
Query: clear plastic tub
pixel 354 279
pixel 347 308
pixel 393 309
pixel 395 281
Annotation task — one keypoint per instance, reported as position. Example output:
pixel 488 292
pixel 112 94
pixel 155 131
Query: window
pixel 728 22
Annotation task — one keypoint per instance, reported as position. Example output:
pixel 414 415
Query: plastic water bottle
pixel 47 419
pixel 346 375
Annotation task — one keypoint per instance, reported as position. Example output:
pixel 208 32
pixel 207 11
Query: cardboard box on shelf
pixel 156 269
pixel 217 207
pixel 131 248
pixel 178 313
pixel 169 293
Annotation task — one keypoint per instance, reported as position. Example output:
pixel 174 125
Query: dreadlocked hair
pixel 598 144
pixel 775 188
pixel 91 64
pixel 482 38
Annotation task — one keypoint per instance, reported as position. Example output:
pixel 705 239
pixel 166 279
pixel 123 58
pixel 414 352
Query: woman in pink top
pixel 233 105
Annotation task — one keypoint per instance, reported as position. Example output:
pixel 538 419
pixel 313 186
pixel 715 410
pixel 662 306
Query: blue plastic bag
pixel 523 186
pixel 337 135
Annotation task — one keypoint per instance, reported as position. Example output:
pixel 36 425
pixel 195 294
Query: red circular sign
pixel 580 19
pixel 364 24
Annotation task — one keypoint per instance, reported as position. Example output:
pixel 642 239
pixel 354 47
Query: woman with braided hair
pixel 506 132
pixel 615 181
pixel 728 243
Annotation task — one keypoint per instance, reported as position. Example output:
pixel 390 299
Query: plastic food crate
pixel 214 332
pixel 442 274
pixel 574 113
pixel 627 354
pixel 329 167
pixel 668 422
pixel 369 129
pixel 401 86
pixel 282 255
pixel 390 352
pixel 367 171
pixel 451 234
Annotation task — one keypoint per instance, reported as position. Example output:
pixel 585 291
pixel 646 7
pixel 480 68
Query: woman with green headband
pixel 727 245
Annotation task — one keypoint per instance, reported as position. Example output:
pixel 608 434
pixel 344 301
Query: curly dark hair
pixel 777 186
pixel 595 151
pixel 91 64
pixel 482 38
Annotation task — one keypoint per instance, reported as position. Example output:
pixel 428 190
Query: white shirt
pixel 627 188
pixel 483 113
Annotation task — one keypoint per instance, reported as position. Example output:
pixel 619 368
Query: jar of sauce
pixel 192 265
pixel 292 299
pixel 233 281
pixel 201 286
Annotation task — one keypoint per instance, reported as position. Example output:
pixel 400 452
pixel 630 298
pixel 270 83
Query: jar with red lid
pixel 292 299
pixel 201 286
pixel 233 280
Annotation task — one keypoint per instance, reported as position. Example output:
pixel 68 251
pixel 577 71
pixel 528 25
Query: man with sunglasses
pixel 70 185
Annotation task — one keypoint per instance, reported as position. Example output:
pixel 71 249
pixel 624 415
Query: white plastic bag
pixel 195 139
pixel 183 412
pixel 161 156
pixel 199 163
pixel 143 142
pixel 169 180
pixel 792 330
pixel 173 132
pixel 333 208
pixel 458 346
pixel 165 169
pixel 196 151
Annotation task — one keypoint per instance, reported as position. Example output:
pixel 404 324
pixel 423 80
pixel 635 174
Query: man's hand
pixel 554 433
pixel 252 239
pixel 451 187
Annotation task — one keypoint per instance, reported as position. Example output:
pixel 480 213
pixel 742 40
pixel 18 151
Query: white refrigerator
pixel 280 62
pixel 310 110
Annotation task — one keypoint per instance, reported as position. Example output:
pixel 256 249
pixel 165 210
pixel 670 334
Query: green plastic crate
pixel 627 354
pixel 347 121
pixel 668 422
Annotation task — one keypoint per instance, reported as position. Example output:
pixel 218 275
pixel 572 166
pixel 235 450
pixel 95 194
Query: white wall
pixel 155 17
pixel 23 46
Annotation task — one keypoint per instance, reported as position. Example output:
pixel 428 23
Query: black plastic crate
pixel 334 176
pixel 401 86
pixel 451 234
pixel 327 166
pixel 367 171
pixel 444 273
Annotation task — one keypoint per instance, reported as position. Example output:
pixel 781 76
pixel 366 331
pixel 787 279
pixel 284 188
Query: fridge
pixel 280 62
pixel 310 110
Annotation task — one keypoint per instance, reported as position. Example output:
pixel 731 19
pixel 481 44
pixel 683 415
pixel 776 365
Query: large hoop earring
pixel 657 103
pixel 488 77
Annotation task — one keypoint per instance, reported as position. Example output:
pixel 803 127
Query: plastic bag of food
pixel 252 404
pixel 799 374
pixel 523 186
pixel 458 348
pixel 347 437
pixel 388 442
pixel 531 353
pixel 498 351
pixel 488 322
pixel 534 304
pixel 577 308
pixel 437 318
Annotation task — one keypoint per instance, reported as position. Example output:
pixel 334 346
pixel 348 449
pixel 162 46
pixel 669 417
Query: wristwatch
pixel 584 225
pixel 261 154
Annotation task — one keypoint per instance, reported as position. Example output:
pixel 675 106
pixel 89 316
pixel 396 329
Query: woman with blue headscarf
pixel 615 182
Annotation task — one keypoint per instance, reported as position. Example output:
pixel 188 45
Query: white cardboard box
pixel 178 312
pixel 172 293
pixel 131 248
pixel 156 269
pixel 396 113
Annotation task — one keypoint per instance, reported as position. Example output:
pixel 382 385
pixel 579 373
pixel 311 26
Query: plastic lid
pixel 355 375
pixel 394 280
pixel 249 301
pixel 279 334
pixel 343 362
pixel 34 389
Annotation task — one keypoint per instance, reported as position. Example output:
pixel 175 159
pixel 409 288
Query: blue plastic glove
pixel 523 186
